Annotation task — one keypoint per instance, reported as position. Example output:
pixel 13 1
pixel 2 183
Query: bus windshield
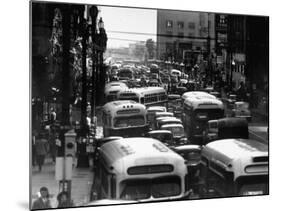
pixel 253 185
pixel 146 188
pixel 208 114
pixel 121 122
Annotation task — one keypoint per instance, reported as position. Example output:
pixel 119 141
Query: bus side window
pixel 113 186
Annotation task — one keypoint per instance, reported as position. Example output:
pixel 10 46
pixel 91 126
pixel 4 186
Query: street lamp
pixel 101 24
pixel 102 46
pixel 93 14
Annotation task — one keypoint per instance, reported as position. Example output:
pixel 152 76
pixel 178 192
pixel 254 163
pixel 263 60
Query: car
pixel 168 120
pixel 151 111
pixel 230 101
pixel 165 136
pixel 241 110
pixel 178 133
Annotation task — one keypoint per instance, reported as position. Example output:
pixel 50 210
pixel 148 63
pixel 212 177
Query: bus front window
pixel 122 122
pixel 136 189
pixel 146 188
pixel 165 187
pixel 253 185
pixel 208 114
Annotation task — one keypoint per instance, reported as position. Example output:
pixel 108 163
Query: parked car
pixel 241 110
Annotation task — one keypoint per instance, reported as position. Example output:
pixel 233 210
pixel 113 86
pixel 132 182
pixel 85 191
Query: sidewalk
pixel 81 183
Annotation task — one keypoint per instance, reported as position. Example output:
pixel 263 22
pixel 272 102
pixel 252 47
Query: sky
pixel 120 20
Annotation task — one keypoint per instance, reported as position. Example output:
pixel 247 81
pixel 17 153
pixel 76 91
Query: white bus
pixel 197 111
pixel 197 94
pixel 234 167
pixel 112 88
pixel 140 169
pixel 124 118
pixel 149 96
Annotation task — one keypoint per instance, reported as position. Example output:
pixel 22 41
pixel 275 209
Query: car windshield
pixel 147 188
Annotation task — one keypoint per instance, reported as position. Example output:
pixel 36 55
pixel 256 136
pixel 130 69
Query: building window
pixel 180 34
pixel 169 24
pixel 180 24
pixel 191 34
pixel 169 34
pixel 191 25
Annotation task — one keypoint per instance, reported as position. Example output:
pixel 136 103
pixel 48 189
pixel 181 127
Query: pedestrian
pixel 241 92
pixel 52 143
pixel 33 156
pixel 43 202
pixel 41 147
pixel 53 116
pixel 64 200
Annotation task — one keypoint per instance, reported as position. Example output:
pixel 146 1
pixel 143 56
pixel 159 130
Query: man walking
pixel 41 147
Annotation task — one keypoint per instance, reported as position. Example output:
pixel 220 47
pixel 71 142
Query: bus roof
pixel 156 109
pixel 171 125
pixel 116 86
pixel 122 104
pixel 188 147
pixel 197 94
pixel 231 122
pixel 140 151
pixel 227 150
pixel 201 102
pixel 159 131
pixel 170 119
pixel 145 90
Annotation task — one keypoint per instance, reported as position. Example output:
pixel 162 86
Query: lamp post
pixel 93 14
pixel 102 47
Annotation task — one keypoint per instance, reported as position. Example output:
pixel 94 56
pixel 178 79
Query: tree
pixel 150 46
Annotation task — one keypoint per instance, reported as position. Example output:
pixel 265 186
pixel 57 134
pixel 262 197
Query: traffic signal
pixel 70 144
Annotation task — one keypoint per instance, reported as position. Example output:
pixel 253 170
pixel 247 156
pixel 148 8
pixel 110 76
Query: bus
pixel 225 128
pixel 234 167
pixel 149 96
pixel 124 118
pixel 196 94
pixel 197 111
pixel 125 74
pixel 112 88
pixel 139 169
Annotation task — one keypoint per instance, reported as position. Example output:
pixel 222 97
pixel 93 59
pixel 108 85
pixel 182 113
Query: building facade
pixel 183 35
